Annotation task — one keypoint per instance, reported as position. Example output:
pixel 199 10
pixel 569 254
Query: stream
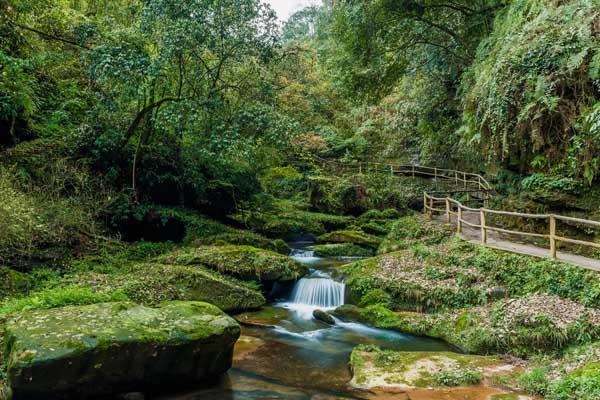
pixel 295 356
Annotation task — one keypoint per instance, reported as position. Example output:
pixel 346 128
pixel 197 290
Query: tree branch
pixel 49 36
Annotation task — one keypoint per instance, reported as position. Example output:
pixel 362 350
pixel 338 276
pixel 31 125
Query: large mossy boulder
pixel 353 237
pixel 152 283
pixel 243 262
pixel 79 351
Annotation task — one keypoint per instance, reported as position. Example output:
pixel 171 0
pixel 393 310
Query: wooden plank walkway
pixel 500 241
pixel 473 227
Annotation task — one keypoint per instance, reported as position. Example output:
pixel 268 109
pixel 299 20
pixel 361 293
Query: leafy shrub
pixel 581 384
pixel 542 182
pixel 376 296
pixel 411 229
pixel 29 220
pixel 535 382
pixel 520 98
pixel 457 378
pixel 284 182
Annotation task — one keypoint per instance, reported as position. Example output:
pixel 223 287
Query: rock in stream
pixel 77 351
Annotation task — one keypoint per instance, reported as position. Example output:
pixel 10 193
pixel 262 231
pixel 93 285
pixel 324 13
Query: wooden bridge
pixel 487 227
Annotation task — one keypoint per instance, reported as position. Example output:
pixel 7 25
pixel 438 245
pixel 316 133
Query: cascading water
pixel 302 253
pixel 318 292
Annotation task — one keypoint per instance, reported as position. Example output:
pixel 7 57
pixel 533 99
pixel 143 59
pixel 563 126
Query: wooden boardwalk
pixel 471 223
pixel 500 241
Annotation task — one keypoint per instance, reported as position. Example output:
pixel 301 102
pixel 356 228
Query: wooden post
pixel 360 168
pixel 459 220
pixel 456 177
pixel 391 170
pixel 465 179
pixel 424 203
pixel 448 217
pixel 553 236
pixel 430 207
pixel 413 170
pixel 483 230
pixel 435 174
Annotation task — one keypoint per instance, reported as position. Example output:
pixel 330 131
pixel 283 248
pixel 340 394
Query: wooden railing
pixel 464 179
pixel 452 207
pixel 476 189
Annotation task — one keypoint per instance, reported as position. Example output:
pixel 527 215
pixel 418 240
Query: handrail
pixel 414 169
pixel 428 208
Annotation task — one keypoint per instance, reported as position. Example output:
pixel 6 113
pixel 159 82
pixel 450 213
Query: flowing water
pixel 294 356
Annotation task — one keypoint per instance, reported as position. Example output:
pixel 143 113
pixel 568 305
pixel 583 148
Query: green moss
pixel 290 222
pixel 582 384
pixel 376 296
pixel 152 284
pixel 58 297
pixel 461 377
pixel 373 366
pixel 13 282
pixel 116 344
pixel 353 237
pixel 470 332
pixel 341 250
pixel 412 229
pixel 283 182
pixel 404 277
pixel 244 262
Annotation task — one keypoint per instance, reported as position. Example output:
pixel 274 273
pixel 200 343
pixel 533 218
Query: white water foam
pixel 318 292
pixel 304 256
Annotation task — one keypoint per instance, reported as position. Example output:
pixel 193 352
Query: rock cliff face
pixel 75 352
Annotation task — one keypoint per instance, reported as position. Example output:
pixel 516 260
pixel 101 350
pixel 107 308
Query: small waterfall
pixel 302 253
pixel 318 292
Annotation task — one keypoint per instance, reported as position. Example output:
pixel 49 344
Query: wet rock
pixel 265 317
pixel 374 367
pixel 323 317
pixel 102 349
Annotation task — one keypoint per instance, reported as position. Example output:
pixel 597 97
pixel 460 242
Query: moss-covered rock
pixel 522 327
pixel 152 283
pixel 243 262
pixel 420 279
pixel 341 250
pixel 373 367
pixel 115 347
pixel 352 237
pixel 12 282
